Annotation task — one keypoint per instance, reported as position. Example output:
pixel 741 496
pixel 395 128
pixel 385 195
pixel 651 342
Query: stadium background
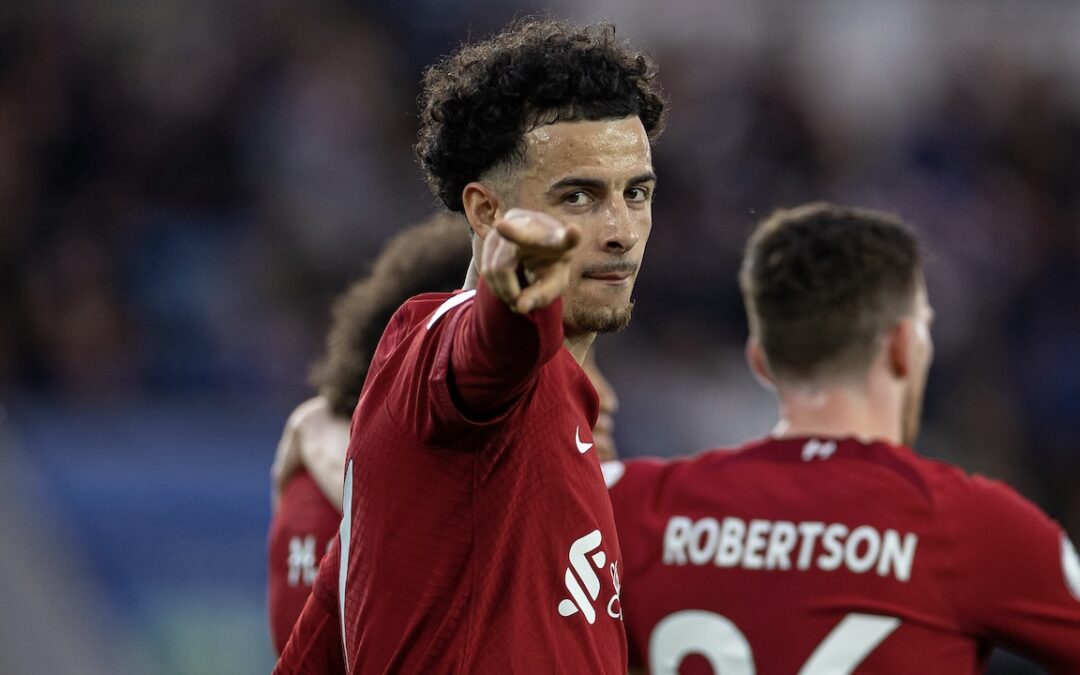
pixel 184 185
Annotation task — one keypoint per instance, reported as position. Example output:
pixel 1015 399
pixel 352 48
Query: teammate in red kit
pixel 831 547
pixel 310 458
pixel 603 432
pixel 477 535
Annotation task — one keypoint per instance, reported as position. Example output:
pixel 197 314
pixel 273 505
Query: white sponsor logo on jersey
pixel 584 586
pixel 815 448
pixel 302 564
pixel 784 545
pixel 1070 565
pixel 614 606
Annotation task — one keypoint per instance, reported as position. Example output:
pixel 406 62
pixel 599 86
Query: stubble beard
pixel 593 319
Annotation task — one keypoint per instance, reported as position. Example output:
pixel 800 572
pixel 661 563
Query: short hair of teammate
pixel 477 104
pixel 823 283
pixel 428 257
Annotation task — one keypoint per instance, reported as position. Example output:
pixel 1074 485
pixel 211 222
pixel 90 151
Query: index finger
pixel 536 231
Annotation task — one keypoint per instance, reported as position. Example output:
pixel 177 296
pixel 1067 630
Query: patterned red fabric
pixel 480 535
pixel 832 555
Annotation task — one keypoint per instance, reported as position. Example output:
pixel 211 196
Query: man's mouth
pixel 611 273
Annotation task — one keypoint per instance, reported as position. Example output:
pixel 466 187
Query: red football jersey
pixel 475 543
pixel 300 531
pixel 816 556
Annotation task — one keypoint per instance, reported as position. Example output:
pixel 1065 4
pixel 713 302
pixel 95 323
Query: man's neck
pixel 836 411
pixel 472 277
pixel 579 345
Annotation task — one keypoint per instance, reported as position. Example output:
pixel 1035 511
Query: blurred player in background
pixel 603 432
pixel 477 534
pixel 309 465
pixel 831 546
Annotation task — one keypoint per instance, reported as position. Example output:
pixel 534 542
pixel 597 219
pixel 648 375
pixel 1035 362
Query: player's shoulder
pixel 314 420
pixel 315 410
pixel 616 470
pixel 991 503
pixel 312 412
pixel 429 308
pixel 417 315
pixel 980 506
pixel 426 302
pixel 957 486
pixel 419 309
pixel 642 470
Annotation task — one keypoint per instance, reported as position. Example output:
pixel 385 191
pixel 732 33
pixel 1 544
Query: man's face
pixel 922 355
pixel 599 176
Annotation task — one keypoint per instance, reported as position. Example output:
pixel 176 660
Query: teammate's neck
pixel 837 411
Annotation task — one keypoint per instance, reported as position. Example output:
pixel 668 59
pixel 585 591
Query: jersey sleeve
pixel 315 647
pixel 495 354
pixel 1017 577
pixel 461 365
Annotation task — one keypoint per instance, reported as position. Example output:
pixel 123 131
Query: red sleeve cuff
pixel 511 331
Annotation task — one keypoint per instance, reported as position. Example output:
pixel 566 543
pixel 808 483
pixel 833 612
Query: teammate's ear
pixel 758 366
pixel 482 207
pixel 899 348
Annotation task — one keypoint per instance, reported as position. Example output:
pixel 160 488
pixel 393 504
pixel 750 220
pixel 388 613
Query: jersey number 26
pixel 724 646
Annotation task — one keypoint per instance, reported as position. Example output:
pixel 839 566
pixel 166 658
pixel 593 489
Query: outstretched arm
pixel 515 324
pixel 315 644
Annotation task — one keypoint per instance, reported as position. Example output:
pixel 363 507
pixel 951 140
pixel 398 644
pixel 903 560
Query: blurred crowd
pixel 185 185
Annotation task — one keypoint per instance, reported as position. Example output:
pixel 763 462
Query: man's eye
pixel 637 194
pixel 578 198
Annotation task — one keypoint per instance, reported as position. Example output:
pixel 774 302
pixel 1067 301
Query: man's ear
pixel 758 365
pixel 898 348
pixel 482 207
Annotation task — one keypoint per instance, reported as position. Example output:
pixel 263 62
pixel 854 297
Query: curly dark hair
pixel 822 283
pixel 478 103
pixel 431 256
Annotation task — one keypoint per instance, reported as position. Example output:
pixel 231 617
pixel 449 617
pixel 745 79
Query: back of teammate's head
pixel 428 257
pixel 822 285
pixel 478 103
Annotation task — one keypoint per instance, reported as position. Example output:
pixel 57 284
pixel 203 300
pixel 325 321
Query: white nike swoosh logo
pixel 581 447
